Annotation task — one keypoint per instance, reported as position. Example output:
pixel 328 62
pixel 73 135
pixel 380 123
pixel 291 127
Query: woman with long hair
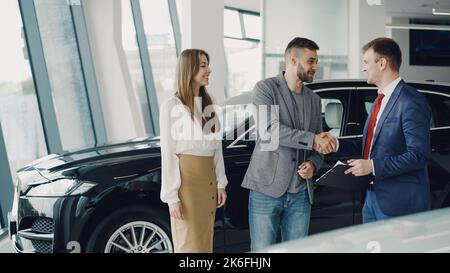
pixel 193 172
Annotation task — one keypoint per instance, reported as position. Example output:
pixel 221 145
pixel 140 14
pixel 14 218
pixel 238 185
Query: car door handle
pixel 441 148
pixel 240 146
pixel 232 146
pixel 241 163
pixel 353 123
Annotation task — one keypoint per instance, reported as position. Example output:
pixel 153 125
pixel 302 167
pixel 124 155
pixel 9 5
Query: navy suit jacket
pixel 400 152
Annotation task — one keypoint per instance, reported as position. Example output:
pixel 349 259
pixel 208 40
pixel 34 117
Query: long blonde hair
pixel 187 68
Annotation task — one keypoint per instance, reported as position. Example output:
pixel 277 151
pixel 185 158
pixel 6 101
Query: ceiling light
pixel 440 12
pixel 421 27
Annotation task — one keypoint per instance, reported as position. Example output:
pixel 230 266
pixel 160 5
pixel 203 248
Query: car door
pixel 334 208
pixel 439 163
pixel 237 149
pixel 364 99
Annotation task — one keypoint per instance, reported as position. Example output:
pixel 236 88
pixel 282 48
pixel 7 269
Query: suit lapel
pixel 365 129
pixel 286 96
pixel 387 109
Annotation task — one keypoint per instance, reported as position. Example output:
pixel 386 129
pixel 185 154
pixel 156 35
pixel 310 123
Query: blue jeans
pixel 267 214
pixel 371 210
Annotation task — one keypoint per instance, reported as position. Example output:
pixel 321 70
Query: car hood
pixel 56 166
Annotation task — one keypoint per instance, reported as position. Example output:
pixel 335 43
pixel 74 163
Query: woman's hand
pixel 176 211
pixel 221 197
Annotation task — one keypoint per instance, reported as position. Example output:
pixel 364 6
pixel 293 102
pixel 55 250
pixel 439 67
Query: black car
pixel 106 199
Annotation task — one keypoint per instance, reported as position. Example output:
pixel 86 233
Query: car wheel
pixel 131 230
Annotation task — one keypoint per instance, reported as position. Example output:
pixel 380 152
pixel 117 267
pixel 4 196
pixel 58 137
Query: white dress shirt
pixel 181 135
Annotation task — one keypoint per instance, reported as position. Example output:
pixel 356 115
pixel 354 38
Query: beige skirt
pixel 198 196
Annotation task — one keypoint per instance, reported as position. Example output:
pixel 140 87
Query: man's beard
pixel 303 75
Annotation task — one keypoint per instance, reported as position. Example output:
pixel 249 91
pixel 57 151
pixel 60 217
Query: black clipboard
pixel 335 177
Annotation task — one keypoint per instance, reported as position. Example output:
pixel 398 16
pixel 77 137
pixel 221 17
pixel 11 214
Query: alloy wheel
pixel 139 237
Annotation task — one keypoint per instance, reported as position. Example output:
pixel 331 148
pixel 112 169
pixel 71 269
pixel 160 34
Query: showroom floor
pixel 5 245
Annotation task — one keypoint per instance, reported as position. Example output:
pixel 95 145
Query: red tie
pixel 373 119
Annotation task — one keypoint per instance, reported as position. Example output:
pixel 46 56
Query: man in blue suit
pixel 396 141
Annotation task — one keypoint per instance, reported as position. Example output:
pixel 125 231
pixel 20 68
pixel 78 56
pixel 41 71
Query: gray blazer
pixel 270 171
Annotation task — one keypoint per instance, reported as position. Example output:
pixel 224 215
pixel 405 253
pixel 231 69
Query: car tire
pixel 114 234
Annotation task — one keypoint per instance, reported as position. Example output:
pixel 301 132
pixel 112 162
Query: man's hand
pixel 306 170
pixel 176 211
pixel 221 197
pixel 360 167
pixel 325 143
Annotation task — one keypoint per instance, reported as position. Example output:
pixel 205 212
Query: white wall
pixel 202 27
pixel 120 108
pixel 323 21
pixel 416 72
pixel 367 22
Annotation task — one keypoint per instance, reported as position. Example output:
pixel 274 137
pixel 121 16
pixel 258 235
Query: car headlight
pixel 61 187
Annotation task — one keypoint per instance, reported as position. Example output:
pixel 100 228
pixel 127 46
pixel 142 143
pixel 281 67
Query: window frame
pixel 145 58
pixel 241 13
pixel 344 95
pixel 41 78
pixel 434 110
pixel 6 183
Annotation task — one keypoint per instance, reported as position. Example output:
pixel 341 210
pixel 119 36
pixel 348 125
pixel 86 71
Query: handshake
pixel 325 143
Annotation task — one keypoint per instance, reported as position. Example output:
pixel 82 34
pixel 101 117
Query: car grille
pixel 43 225
pixel 41 246
pixel 39 231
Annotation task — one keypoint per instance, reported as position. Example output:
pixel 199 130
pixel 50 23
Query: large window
pixel 19 111
pixel 65 73
pixel 161 45
pixel 242 32
pixel 135 73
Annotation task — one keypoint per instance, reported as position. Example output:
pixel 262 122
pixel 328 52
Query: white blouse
pixel 181 135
